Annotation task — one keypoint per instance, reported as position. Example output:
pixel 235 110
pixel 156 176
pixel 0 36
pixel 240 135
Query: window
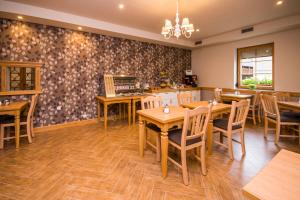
pixel 256 67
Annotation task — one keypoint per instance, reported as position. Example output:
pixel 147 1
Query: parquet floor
pixel 85 162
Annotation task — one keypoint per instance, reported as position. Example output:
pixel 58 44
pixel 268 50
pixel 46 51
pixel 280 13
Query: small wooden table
pixel 289 105
pixel 14 109
pixel 217 110
pixel 164 122
pixel 280 179
pixel 106 101
pixel 235 97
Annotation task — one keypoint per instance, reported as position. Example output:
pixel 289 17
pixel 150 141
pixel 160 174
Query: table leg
pixel 129 113
pixel 99 111
pixel 210 137
pixel 105 115
pixel 141 136
pixel 133 111
pixel 164 154
pixel 17 129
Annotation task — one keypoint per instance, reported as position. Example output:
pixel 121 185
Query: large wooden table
pixel 235 97
pixel 106 101
pixel 14 109
pixel 289 105
pixel 279 180
pixel 217 110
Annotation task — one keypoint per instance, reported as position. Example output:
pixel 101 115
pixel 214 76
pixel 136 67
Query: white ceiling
pixel 212 17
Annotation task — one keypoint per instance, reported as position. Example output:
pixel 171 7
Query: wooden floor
pixel 85 162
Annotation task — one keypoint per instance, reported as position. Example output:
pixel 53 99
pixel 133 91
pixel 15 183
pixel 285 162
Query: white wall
pixel 216 65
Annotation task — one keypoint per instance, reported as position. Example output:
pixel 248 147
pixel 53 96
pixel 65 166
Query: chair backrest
pixel 195 123
pixel 218 92
pixel 184 98
pixel 282 96
pixel 151 102
pixel 238 113
pixel 32 106
pixel 270 106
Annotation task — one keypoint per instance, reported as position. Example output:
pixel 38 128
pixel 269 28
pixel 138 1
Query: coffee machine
pixel 190 79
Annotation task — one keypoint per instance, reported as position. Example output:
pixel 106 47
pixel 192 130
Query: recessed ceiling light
pixel 20 17
pixel 279 3
pixel 79 28
pixel 121 6
pixel 197 30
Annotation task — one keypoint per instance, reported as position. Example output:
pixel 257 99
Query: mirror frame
pixel 5 64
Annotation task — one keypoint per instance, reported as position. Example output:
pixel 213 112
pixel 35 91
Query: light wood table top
pixel 239 96
pixel 280 179
pixel 118 98
pixel 290 105
pixel 13 106
pixel 157 114
pixel 215 108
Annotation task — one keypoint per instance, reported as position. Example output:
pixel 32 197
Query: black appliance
pixel 191 80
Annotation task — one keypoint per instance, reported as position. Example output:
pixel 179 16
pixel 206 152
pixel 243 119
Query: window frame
pixel 37 79
pixel 239 85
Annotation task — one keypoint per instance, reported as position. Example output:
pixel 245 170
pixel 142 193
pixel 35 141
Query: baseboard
pixel 65 125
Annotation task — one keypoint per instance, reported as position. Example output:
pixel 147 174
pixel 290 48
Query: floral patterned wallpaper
pixel 74 63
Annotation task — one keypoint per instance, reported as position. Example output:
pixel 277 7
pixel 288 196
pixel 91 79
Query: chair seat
pixel 223 124
pixel 153 127
pixel 288 117
pixel 175 136
pixel 8 119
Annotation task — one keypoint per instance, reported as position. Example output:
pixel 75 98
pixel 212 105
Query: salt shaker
pixel 166 109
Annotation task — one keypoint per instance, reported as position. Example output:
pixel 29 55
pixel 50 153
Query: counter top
pixel 162 90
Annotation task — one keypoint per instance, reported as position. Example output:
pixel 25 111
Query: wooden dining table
pixel 165 121
pixel 289 105
pixel 14 109
pixel 235 97
pixel 217 110
pixel 280 179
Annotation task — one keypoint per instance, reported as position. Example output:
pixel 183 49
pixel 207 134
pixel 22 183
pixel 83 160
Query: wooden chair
pixel 151 102
pixel 272 114
pixel 192 135
pixel 254 108
pixel 235 124
pixel 184 98
pixel 9 121
pixel 282 96
pixel 217 93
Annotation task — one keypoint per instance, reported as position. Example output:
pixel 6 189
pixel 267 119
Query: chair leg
pixel 266 127
pixel 158 147
pixel 230 150
pixel 31 128
pixel 1 137
pixel 259 114
pixel 243 142
pixel 184 167
pixel 145 138
pixel 277 133
pixel 253 116
pixel 28 133
pixel 203 161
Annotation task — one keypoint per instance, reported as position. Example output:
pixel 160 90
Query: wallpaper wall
pixel 74 63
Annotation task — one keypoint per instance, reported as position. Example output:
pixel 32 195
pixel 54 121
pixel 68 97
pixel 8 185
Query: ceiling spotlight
pixel 20 17
pixel 79 28
pixel 121 6
pixel 197 30
pixel 278 3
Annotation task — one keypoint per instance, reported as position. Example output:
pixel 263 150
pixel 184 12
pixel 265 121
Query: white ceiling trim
pixel 66 20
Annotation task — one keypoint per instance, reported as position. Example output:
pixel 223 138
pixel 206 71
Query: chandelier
pixel 185 28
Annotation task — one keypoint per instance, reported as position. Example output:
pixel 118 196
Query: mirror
pixel 19 78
